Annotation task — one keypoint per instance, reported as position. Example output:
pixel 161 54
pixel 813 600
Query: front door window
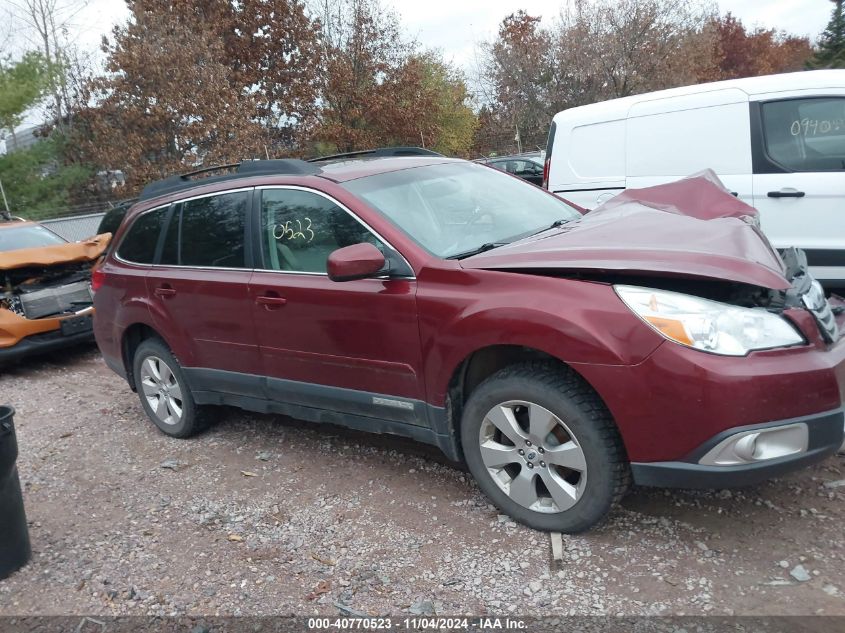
pixel 300 229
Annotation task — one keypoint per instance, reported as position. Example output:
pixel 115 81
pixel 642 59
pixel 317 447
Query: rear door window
pixel 806 135
pixel 139 245
pixel 208 232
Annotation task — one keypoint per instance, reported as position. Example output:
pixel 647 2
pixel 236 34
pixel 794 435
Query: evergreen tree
pixel 831 50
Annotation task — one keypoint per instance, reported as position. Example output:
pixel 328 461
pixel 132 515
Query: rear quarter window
pixel 112 220
pixel 139 244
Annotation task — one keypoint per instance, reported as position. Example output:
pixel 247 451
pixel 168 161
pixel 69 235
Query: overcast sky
pixel 457 26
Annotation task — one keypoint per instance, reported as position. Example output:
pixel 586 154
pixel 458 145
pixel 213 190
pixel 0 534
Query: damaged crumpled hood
pixel 636 235
pixel 73 252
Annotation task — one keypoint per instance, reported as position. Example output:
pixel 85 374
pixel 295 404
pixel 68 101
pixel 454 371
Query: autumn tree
pixel 516 76
pixel 738 52
pixel 274 48
pixel 607 49
pixel 364 66
pixel 192 83
pixel 379 90
pixel 170 100
pixel 831 48
pixel 597 50
pixel 452 123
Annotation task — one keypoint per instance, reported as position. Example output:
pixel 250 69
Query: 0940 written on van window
pixel 806 134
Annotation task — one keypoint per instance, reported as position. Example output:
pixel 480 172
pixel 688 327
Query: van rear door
pixel 798 142
pixel 587 164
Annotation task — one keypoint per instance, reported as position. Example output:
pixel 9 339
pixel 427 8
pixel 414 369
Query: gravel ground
pixel 268 515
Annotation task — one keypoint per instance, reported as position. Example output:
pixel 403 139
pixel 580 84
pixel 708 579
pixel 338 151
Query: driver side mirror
pixel 358 261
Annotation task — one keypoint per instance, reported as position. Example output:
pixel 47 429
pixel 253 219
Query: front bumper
pixel 678 398
pixel 42 343
pixel 20 337
pixel 825 437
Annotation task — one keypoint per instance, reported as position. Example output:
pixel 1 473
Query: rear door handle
pixel 270 301
pixel 786 193
pixel 165 291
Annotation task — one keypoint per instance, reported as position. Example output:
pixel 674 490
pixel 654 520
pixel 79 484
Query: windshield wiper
pixel 553 225
pixel 489 246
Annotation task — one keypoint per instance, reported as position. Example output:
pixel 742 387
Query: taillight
pixel 98 277
pixel 546 166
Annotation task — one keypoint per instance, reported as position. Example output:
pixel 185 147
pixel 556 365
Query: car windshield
pixel 456 209
pixel 28 236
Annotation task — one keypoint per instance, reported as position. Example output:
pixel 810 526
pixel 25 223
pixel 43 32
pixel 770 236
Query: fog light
pixel 758 445
pixel 745 447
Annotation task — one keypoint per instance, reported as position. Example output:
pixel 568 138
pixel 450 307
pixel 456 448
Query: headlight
pixel 708 325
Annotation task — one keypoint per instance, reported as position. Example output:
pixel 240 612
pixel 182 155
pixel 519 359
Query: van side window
pixel 210 232
pixel 300 229
pixel 139 245
pixel 806 134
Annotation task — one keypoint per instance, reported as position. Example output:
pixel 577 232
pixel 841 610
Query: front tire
pixel 164 392
pixel 544 448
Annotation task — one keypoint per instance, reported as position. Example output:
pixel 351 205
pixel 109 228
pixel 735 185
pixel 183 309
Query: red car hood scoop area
pixel 633 234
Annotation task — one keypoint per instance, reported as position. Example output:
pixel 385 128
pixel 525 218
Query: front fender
pixel 574 321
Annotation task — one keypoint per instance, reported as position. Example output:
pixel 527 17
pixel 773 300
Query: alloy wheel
pixel 161 390
pixel 532 456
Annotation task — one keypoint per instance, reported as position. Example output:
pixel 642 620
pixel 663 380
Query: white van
pixel 777 142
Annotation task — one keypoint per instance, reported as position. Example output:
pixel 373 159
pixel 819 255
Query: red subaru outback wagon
pixel 561 356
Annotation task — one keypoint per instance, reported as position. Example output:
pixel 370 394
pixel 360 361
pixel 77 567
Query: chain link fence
pixel 503 143
pixel 75 228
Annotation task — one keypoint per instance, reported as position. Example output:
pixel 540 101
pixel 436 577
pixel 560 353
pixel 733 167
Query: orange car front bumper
pixel 21 337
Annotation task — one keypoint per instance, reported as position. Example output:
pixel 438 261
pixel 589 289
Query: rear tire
pixel 164 392
pixel 544 448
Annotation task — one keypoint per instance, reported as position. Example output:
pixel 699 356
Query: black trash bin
pixel 14 534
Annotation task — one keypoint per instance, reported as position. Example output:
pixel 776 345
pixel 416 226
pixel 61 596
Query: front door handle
pixel 165 291
pixel 786 193
pixel 270 301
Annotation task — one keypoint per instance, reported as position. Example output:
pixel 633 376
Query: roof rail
pixel 381 152
pixel 179 182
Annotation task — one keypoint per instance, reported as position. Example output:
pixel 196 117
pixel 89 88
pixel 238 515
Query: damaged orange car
pixel 45 289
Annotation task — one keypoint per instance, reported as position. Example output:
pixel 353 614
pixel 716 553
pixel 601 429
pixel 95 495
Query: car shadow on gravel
pixel 762 508
pixel 233 420
pixel 764 505
pixel 66 358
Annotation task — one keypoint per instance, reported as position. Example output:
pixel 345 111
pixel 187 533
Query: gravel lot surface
pixel 268 515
